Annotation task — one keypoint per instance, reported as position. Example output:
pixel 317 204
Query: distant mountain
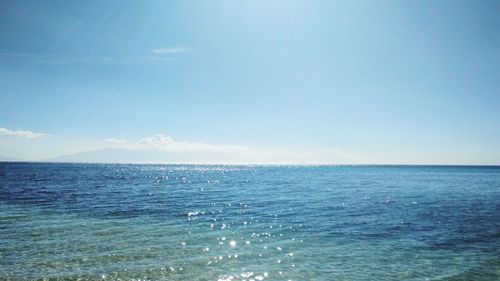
pixel 7 159
pixel 110 155
pixel 198 155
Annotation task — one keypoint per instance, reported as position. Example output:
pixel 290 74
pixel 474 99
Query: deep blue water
pixel 204 222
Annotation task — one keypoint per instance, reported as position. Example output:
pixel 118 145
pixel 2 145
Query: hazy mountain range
pixel 113 155
pixel 125 155
pixel 7 159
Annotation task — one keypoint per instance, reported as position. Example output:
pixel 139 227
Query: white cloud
pixel 22 133
pixel 198 152
pixel 167 143
pixel 111 140
pixel 171 50
pixel 163 142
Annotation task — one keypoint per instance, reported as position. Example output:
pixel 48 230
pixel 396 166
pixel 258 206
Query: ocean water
pixel 216 222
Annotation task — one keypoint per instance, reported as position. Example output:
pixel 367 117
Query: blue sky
pixel 369 81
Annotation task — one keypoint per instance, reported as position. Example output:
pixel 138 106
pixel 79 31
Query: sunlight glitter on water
pixel 131 222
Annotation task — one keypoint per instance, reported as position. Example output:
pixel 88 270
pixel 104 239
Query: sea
pixel 248 222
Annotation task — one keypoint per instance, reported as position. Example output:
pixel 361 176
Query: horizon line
pixel 250 164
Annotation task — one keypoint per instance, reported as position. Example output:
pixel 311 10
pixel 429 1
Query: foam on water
pixel 191 222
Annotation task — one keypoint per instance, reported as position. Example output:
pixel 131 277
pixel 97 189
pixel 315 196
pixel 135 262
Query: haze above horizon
pixel 295 82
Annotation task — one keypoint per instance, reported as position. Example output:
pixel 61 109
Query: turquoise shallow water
pixel 178 222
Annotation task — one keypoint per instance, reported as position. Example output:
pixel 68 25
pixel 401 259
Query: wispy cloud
pixel 171 50
pixel 163 142
pixel 22 133
pixel 111 140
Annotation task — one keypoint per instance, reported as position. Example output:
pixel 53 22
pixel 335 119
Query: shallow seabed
pixel 210 222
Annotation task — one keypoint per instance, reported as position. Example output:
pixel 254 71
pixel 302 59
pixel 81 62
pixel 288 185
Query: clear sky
pixel 317 81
